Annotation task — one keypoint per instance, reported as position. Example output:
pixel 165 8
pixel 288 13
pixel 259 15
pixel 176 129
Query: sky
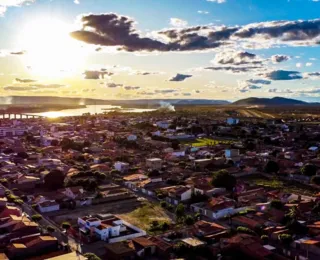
pixel 164 49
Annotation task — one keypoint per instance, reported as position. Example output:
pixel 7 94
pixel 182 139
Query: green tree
pixel 66 225
pixel 309 170
pixel 36 217
pixel 276 204
pixel 54 180
pixel 189 220
pixel 315 180
pixel 223 179
pixel 271 167
pixel 285 239
pixel 180 210
pixel 91 256
pixel 50 229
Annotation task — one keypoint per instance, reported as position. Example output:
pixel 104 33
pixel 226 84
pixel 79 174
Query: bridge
pixel 18 116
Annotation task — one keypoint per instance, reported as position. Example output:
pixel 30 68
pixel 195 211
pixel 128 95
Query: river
pixel 92 109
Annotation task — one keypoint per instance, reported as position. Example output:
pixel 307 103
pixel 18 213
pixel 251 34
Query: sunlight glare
pixel 51 52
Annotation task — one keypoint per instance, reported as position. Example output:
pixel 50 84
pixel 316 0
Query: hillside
pixel 276 101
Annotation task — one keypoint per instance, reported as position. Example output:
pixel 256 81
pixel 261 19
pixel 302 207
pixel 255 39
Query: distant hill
pixel 45 100
pixel 276 101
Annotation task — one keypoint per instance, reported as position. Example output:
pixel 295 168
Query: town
pixel 159 186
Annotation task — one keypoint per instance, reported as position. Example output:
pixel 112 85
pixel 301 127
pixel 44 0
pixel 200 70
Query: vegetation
pixel 50 229
pixel 223 179
pixel 91 256
pixel 271 167
pixel 144 216
pixel 276 204
pixel 54 180
pixel 66 225
pixel 315 180
pixel 309 170
pixel 180 211
pixel 245 230
pixel 36 217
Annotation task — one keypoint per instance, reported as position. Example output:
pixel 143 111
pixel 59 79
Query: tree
pixel 36 217
pixel 309 170
pixel 285 239
pixel 265 239
pixel 66 225
pixel 8 151
pixel 245 230
pixel 54 180
pixel 271 167
pixel 23 155
pixel 91 256
pixel 180 210
pixel 315 180
pixel 276 204
pixel 189 220
pixel 50 229
pixel 54 142
pixel 223 179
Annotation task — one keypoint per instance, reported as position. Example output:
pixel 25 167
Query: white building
pixel 121 166
pixel 48 206
pixel 232 121
pixel 11 131
pixel 132 137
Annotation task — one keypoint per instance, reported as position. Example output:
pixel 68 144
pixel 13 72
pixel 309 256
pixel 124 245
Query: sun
pixel 50 51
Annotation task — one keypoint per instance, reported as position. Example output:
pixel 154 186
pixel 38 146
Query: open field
pixel 276 183
pixel 143 216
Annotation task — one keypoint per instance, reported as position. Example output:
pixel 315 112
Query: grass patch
pixel 144 216
pixel 207 142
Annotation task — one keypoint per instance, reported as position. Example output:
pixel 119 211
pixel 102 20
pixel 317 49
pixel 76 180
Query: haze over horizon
pixel 146 49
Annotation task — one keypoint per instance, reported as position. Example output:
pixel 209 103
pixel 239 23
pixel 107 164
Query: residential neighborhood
pixel 159 186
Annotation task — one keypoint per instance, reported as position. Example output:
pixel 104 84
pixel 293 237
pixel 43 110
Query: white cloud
pixel 7 3
pixel 217 1
pixel 299 65
pixel 308 64
pixel 203 12
pixel 77 2
pixel 176 22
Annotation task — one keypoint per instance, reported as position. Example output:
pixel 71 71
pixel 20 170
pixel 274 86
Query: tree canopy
pixel 223 179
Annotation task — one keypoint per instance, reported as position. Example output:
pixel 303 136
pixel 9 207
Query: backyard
pixel 144 216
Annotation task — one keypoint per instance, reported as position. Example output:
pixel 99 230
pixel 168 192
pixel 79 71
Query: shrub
pixel 36 217
pixel 245 230
pixel 50 229
pixel 66 225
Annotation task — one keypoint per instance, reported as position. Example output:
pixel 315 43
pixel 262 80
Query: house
pixel 154 163
pixel 216 208
pixel 108 228
pixel 119 251
pixel 132 137
pixel 48 206
pixel 121 166
pixel 73 192
pixel 177 194
pixel 232 154
pixel 163 124
pixel 69 256
pixel 232 121
pixel 7 210
pixel 12 131
pixel 201 163
pixel 28 180
pixel 132 180
pixel 209 231
pixel 143 247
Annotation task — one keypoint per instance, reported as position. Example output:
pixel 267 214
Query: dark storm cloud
pixel 180 77
pixel 96 74
pixel 279 58
pixel 234 69
pixel 236 58
pixel 282 30
pixel 111 29
pixel 283 75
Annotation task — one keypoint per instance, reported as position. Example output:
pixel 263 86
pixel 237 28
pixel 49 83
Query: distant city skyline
pixel 145 49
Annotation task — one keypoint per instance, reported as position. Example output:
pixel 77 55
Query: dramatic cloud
pixel 282 75
pixel 236 58
pixel 235 69
pixel 25 80
pixel 279 58
pixel 176 22
pixel 297 32
pixel 180 77
pixel 118 31
pixel 245 86
pixel 95 74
